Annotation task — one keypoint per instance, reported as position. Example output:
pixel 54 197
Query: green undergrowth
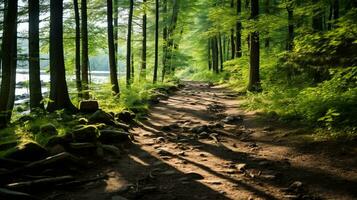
pixel 25 126
pixel 328 107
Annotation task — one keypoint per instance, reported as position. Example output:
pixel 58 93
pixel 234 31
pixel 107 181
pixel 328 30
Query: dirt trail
pixel 176 156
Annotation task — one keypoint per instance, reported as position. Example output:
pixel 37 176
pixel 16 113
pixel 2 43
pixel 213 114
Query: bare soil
pixel 246 159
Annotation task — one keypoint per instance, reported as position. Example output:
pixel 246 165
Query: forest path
pixel 182 152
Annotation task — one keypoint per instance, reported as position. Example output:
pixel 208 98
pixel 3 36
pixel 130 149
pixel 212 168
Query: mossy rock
pixel 29 151
pixel 85 134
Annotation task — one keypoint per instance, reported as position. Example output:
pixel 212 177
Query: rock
pixel 83 121
pixel 191 176
pixel 83 145
pixel 113 136
pixel 28 152
pixel 162 152
pixel 232 119
pixel 60 140
pixel 296 186
pixel 182 153
pixel 85 134
pixel 118 198
pixel 57 149
pixel 268 128
pixel 160 140
pixel 203 135
pixel 101 117
pixel 48 130
pixel 241 167
pixel 200 129
pixel 170 127
pixel 112 149
pixel 126 116
pixel 88 106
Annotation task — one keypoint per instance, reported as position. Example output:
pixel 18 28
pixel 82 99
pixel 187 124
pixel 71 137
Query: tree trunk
pixel 336 9
pixel 58 86
pixel 220 52
pixel 290 42
pixel 78 49
pixel 267 11
pixel 111 47
pixel 233 49
pixel 144 54
pixel 239 30
pixel 209 55
pixel 215 55
pixel 165 39
pixel 317 22
pixel 34 55
pixel 254 78
pixel 85 64
pixel 116 27
pixel 9 49
pixel 128 44
pixel 156 40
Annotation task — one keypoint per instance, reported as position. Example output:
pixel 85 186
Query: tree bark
pixel 144 48
pixel 239 30
pixel 317 22
pixel 128 44
pixel 209 54
pixel 34 55
pixel 78 49
pixel 290 42
pixel 157 12
pixel 85 61
pixel 254 78
pixel 9 51
pixel 58 86
pixel 111 47
pixel 220 52
pixel 116 27
pixel 165 39
pixel 233 49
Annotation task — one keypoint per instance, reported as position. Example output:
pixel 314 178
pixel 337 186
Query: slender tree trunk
pixel 317 21
pixel 128 44
pixel 58 86
pixel 215 55
pixel 156 40
pixel 165 39
pixel 144 54
pixel 267 11
pixel 254 78
pixel 78 49
pixel 116 27
pixel 336 9
pixel 209 54
pixel 34 55
pixel 239 30
pixel 132 67
pixel 290 28
pixel 220 52
pixel 171 31
pixel 233 49
pixel 85 60
pixel 8 47
pixel 111 47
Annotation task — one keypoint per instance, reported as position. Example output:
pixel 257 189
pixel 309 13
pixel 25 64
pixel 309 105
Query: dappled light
pixel 178 100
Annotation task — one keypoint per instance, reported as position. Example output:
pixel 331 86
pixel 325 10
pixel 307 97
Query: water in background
pixel 22 78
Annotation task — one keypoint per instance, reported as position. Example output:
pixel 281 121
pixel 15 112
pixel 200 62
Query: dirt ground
pixel 175 156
